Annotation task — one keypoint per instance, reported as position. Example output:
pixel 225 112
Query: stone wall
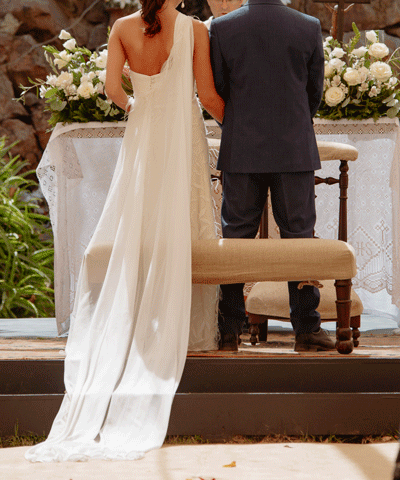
pixel 24 24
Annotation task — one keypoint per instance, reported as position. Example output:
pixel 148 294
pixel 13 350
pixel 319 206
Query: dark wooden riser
pixel 221 397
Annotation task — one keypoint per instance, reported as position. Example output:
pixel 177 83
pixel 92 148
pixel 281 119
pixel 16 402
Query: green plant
pixel 17 440
pixel 26 244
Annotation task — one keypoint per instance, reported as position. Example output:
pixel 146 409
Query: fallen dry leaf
pixel 231 465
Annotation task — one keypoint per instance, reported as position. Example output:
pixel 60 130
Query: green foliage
pixel 366 108
pixel 355 39
pixel 26 245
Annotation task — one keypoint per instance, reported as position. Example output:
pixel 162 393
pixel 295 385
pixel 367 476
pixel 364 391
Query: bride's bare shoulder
pixel 129 25
pixel 199 29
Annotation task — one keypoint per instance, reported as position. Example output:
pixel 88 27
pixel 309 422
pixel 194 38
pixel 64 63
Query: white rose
pixel 60 63
pixel 338 52
pixel 334 95
pixel 102 75
pixel 101 61
pixel 70 44
pixel 371 36
pixel 336 81
pixel 352 76
pixel 86 89
pixel 64 55
pixel 62 59
pixel 364 74
pixel 381 71
pixel 363 87
pixel 336 63
pixel 378 50
pixel 51 80
pixel 64 79
pixel 91 75
pixel 360 52
pixel 42 91
pixel 327 40
pixel 70 90
pixel 100 88
pixel 329 70
pixel 373 92
pixel 64 35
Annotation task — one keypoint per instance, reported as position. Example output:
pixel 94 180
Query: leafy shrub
pixel 26 244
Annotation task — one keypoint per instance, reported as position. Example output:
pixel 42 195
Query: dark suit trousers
pixel 293 206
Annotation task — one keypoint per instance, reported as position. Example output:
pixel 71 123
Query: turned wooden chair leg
pixel 355 323
pixel 254 322
pixel 344 342
pixel 263 331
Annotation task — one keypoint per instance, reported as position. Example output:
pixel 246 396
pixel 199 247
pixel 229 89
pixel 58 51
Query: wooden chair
pixel 270 300
pixel 246 260
pixel 223 261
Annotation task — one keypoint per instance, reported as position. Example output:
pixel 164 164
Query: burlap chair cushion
pixel 336 151
pixel 249 260
pixel 272 299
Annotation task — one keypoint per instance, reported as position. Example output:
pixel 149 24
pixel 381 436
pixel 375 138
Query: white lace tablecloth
pixel 75 173
pixel 77 166
pixel 373 207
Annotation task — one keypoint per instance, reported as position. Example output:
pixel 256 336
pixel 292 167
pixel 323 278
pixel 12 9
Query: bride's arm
pixel 115 64
pixel 208 96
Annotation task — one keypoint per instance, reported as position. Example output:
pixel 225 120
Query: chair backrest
pixel 329 151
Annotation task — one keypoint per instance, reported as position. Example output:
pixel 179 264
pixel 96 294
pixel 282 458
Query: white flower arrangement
pixel 74 92
pixel 360 82
pixel 122 4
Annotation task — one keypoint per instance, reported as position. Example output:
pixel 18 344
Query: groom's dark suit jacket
pixel 268 66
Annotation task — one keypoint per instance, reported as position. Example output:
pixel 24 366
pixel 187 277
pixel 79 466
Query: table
pixel 75 173
pixel 77 166
pixel 373 208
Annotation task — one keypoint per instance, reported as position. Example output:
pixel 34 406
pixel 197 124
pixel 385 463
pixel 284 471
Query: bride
pixel 130 328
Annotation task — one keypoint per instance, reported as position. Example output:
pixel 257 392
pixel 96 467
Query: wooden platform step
pixel 220 397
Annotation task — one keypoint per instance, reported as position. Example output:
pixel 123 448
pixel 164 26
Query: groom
pixel 268 66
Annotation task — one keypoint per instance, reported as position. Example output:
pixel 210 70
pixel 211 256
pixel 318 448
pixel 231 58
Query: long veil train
pixel 129 332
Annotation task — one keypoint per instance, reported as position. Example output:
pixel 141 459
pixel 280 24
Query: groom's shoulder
pixel 301 17
pixel 227 19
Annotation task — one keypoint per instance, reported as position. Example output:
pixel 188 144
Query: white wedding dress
pixel 129 335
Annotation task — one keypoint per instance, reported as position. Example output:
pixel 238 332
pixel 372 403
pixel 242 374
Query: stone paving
pixel 283 461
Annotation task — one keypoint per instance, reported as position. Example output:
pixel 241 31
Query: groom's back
pixel 265 56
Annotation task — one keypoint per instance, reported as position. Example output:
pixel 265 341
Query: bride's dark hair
pixel 150 8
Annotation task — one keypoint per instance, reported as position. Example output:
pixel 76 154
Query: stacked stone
pixel 23 25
